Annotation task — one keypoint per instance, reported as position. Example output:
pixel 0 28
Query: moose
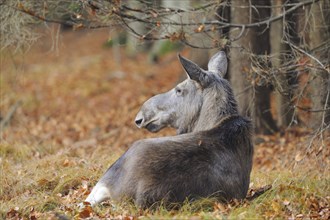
pixel 211 155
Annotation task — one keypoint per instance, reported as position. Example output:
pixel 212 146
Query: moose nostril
pixel 138 122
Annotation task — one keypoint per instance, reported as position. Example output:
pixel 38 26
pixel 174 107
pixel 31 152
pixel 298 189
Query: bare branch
pixel 225 24
pixel 150 19
pixel 311 110
pixel 21 8
pixel 307 54
pixel 6 120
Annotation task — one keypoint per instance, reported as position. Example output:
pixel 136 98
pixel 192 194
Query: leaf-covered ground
pixel 73 103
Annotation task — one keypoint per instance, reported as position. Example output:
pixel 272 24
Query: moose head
pixel 195 103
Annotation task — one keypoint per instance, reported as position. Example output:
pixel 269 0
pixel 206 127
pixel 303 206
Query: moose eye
pixel 178 91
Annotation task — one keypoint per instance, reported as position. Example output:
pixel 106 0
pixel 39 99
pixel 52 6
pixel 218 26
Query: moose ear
pixel 218 64
pixel 194 71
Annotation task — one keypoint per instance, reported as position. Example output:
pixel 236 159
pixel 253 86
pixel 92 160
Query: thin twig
pixel 148 20
pixel 239 35
pixel 307 54
pixel 311 110
pixel 6 120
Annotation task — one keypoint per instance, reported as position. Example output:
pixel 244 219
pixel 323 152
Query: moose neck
pixel 215 107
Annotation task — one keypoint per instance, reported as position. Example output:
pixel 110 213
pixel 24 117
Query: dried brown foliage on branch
pixel 160 17
pixel 280 47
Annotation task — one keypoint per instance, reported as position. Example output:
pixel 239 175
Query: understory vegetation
pixel 73 105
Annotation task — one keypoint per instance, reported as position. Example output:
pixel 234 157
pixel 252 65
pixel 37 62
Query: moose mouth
pixel 152 127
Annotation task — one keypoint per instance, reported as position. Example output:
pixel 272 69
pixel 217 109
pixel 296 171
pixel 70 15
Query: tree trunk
pixel 240 62
pixel 319 34
pixel 201 56
pixel 280 50
pixel 159 46
pixel 135 45
pixel 254 100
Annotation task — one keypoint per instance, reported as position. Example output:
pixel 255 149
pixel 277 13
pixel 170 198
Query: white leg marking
pixel 99 193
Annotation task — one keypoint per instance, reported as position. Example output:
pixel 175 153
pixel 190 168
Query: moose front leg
pixel 99 194
pixel 110 183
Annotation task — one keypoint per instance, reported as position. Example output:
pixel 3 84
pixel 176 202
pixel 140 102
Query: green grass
pixel 57 182
pixel 288 196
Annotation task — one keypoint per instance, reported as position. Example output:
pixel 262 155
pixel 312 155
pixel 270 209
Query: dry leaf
pixel 86 212
pixel 220 207
pixel 276 206
pixel 43 181
pixel 200 29
pixel 13 212
pixel 154 14
pixel 286 202
pixel 298 157
pixel 78 26
pixel 66 163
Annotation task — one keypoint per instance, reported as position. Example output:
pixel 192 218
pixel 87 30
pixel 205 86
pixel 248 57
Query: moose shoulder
pixel 210 156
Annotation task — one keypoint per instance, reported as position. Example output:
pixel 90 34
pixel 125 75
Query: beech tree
pixel 319 28
pixel 272 45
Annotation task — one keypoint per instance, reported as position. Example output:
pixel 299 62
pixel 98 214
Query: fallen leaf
pixel 276 206
pixel 298 157
pixel 12 213
pixel 286 202
pixel 220 207
pixel 66 163
pixel 85 212
pixel 299 216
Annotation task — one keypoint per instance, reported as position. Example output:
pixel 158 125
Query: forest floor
pixel 73 104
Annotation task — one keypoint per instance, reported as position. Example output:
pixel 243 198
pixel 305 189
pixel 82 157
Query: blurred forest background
pixel 75 72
